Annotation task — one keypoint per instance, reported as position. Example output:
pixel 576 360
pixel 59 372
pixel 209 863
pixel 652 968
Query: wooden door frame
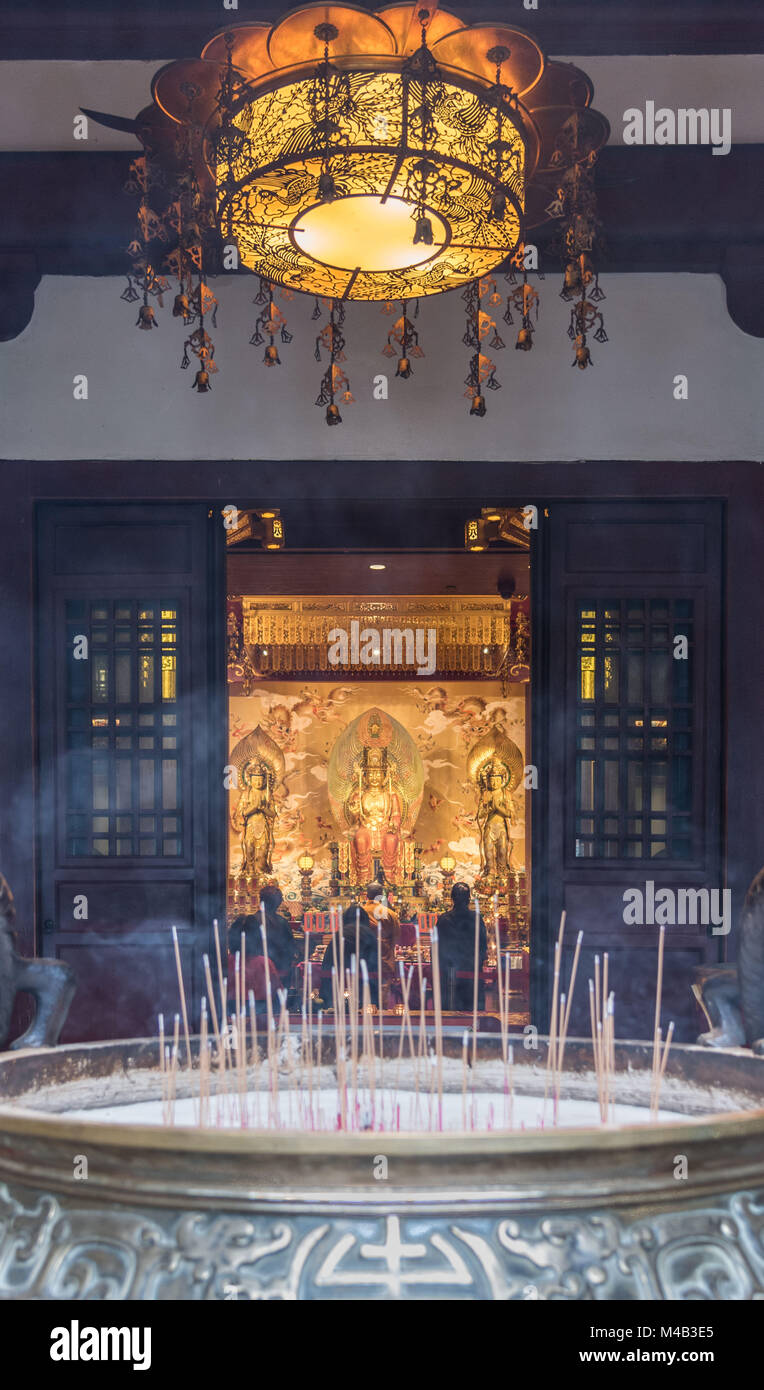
pixel 200 600
pixel 552 868
pixel 737 483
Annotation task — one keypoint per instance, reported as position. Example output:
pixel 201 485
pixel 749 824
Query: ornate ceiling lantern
pixel 370 156
pixel 351 155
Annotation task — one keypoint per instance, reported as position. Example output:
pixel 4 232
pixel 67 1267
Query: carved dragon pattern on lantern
pixel 382 156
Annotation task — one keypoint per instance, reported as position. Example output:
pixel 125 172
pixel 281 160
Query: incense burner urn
pixel 91 1210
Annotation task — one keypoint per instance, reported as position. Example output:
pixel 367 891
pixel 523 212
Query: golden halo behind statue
pixel 496 747
pixel 259 747
pixel 376 729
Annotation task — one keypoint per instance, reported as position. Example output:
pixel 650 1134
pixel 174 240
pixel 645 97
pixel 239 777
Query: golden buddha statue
pixel 494 818
pixel 260 766
pixel 375 784
pixel 374 806
pixel 254 818
pixel 495 764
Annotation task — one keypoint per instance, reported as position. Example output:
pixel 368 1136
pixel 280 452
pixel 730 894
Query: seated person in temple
pixel 456 952
pixel 367 948
pixel 381 914
pixel 282 947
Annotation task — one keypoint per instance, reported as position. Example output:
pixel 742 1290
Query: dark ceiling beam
pixel 663 209
pixel 178 28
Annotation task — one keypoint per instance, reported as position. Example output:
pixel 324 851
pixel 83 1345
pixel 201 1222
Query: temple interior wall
pixel 140 405
pixel 444 719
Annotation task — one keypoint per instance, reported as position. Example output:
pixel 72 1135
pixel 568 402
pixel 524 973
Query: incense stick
pixel 182 992
pixel 435 959
pixel 475 984
pixel 203 1066
pixel 658 997
pixel 421 990
pixel 552 1044
pixel 566 1020
pixel 221 977
pixel 655 1106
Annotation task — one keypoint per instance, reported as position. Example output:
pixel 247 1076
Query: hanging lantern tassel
pixel 271 323
pixel 581 236
pixel 526 301
pixel 482 373
pixel 334 382
pixel 585 317
pixel 203 348
pixel 404 334
pixel 143 279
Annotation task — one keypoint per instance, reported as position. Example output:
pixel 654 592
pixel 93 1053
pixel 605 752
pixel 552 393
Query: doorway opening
pixel 379 735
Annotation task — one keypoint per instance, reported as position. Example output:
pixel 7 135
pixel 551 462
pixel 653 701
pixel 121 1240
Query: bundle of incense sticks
pixel 602 1018
pixel 228 1087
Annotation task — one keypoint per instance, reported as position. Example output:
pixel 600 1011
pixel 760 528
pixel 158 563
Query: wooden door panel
pixel 631 748
pixel 122 904
pixel 132 744
pixel 124 981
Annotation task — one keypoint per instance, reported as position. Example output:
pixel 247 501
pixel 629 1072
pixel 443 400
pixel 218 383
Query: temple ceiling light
pixel 386 157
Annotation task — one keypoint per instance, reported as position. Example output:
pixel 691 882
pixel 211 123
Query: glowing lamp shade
pixel 364 240
pixel 448 864
pixel 373 234
pixel 305 862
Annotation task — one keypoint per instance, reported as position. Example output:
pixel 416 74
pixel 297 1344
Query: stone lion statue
pixel 52 983
pixel 732 996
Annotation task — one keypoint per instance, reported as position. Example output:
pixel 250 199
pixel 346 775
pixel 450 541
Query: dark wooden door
pixel 628 685
pixel 131 753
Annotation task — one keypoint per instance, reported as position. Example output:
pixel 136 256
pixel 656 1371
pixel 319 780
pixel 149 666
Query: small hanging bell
pixel 327 188
pixel 525 340
pixel 333 416
pixel 498 205
pixel 271 356
pixel 181 307
pixel 583 357
pixel 146 317
pixel 478 405
pixel 423 231
pixel 201 381
pixel 404 368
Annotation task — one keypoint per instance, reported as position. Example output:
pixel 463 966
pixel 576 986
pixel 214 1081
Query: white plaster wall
pixel 141 405
pixel 39 98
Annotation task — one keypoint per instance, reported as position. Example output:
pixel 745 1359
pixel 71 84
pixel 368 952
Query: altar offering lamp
pixel 305 865
pixel 448 865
